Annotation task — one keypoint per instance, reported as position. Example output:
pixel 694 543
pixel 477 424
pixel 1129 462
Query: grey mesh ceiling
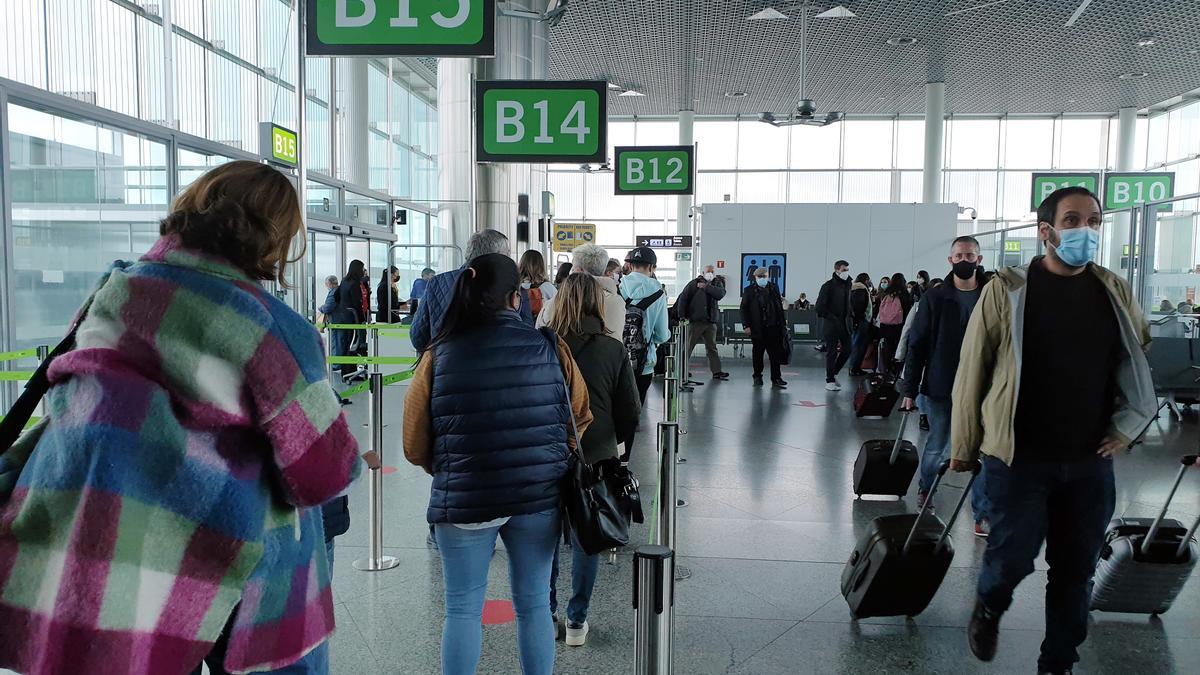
pixel 1014 56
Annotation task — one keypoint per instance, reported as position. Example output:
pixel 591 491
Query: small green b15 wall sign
pixel 278 144
pixel 655 170
pixel 400 27
pixel 541 121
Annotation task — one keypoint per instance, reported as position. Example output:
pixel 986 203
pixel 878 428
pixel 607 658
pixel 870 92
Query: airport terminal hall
pixel 599 337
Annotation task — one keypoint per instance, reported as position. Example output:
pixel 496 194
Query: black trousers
pixel 643 386
pixel 837 343
pixel 772 344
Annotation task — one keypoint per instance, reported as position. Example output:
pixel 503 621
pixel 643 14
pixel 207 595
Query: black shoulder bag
pixel 598 499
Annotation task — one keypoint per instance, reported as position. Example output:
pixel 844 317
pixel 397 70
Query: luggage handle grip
pixel 976 467
pixel 1184 462
pixel 1187 538
pixel 900 435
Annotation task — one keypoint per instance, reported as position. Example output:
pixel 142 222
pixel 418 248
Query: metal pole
pixel 668 443
pixel 653 609
pixel 376 561
pixel 375 352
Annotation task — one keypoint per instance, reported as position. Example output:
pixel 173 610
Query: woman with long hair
pixel 579 320
pixel 349 311
pixel 564 270
pixel 489 415
pixel 533 279
pixel 188 430
pixel 895 302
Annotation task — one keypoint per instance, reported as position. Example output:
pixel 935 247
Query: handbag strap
pixel 552 338
pixel 22 410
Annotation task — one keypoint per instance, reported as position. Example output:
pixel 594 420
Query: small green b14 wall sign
pixel 556 122
pixel 400 27
pixel 655 170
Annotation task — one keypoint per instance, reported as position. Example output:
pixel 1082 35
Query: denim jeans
pixel 858 344
pixel 937 443
pixel 466 555
pixel 1067 505
pixel 584 569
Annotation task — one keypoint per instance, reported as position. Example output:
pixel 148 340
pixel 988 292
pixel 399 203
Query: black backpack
pixel 634 335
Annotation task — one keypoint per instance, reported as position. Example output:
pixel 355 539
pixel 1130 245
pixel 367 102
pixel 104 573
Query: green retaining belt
pixel 365 326
pixel 387 379
pixel 15 375
pixel 16 356
pixel 372 360
pixel 32 421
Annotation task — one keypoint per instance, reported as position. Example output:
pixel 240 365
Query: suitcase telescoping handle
pixel 976 467
pixel 1184 463
pixel 904 413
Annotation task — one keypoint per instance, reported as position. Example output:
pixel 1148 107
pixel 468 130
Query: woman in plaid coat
pixel 165 494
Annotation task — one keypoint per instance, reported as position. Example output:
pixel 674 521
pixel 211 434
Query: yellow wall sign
pixel 567 236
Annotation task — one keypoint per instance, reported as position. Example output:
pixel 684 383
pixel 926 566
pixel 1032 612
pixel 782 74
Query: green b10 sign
pixel 401 27
pixel 1046 183
pixel 278 144
pixel 541 121
pixel 655 170
pixel 1126 190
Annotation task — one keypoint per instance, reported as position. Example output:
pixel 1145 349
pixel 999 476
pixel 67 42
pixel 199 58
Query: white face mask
pixel 843 275
pixel 708 276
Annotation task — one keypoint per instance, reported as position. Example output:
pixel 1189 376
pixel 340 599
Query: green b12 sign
pixel 1125 190
pixel 1046 183
pixel 401 27
pixel 655 170
pixel 541 121
pixel 278 144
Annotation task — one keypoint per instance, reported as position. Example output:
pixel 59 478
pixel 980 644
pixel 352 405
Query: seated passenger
pixel 488 415
pixel 613 394
pixel 187 433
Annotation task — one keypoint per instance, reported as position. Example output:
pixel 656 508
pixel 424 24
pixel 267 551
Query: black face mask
pixel 965 270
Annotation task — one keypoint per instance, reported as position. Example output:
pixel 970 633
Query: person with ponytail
pixel 161 513
pixel 492 413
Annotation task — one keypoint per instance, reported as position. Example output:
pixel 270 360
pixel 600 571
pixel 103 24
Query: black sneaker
pixel 855 372
pixel 779 384
pixel 758 381
pixel 924 423
pixel 984 632
pixel 721 376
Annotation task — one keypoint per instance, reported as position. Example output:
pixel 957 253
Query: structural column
pixel 355 106
pixel 935 126
pixel 456 152
pixel 684 222
pixel 1119 237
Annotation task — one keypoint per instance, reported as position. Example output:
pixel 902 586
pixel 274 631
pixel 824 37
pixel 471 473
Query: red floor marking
pixel 496 612
pixel 389 469
pixel 809 404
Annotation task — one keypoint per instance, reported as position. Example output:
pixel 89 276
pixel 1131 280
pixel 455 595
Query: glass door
pixel 324 261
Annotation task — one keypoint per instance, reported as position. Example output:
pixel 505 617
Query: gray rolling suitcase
pixel 1145 563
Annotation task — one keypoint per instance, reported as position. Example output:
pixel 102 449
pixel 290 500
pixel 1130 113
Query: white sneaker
pixel 576 635
pixel 832 386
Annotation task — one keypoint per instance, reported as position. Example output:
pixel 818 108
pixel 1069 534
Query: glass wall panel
pixel 911 186
pixel 1029 144
pixel 322 201
pixel 368 211
pixel 813 187
pixel 659 132
pixel 717 142
pixel 1016 204
pixel 194 163
pixel 712 188
pixel 619 134
pixel 1183 132
pixel 975 189
pixel 762 146
pixel 1083 144
pixel 1156 140
pixel 973 143
pixel 614 232
pixel 654 207
pixel 910 144
pixel 867 144
pixel 601 202
pixel 567 187
pixel 872 187
pixel 762 187
pixel 83 196
pixel 816 147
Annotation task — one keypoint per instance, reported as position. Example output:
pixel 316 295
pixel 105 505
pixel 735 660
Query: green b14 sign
pixel 655 170
pixel 400 27
pixel 1046 183
pixel 541 121
pixel 1126 190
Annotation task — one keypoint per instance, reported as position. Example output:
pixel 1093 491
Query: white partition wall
pixel 877 239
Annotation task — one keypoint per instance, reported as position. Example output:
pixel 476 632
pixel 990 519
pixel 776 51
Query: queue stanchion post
pixel 668 438
pixel 653 610
pixel 376 561
pixel 43 353
pixel 681 363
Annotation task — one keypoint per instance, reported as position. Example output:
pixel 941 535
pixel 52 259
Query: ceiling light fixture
pixel 631 92
pixel 736 94
pixel 1147 41
pixel 768 14
pixel 838 12
pixel 614 85
pixel 902 41
pixel 1133 76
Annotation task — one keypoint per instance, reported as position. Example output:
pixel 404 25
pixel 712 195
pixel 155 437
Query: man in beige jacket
pixel 1053 381
pixel 593 260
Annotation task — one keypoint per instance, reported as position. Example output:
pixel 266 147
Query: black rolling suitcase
pixel 900 561
pixel 886 467
pixel 876 396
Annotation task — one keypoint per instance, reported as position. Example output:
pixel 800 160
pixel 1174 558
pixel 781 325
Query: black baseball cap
pixel 642 255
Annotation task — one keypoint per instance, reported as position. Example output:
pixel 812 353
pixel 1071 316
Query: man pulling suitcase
pixel 1053 381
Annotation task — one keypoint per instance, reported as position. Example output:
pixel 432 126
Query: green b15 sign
pixel 1046 183
pixel 1125 190
pixel 541 121
pixel 278 144
pixel 401 27
pixel 655 170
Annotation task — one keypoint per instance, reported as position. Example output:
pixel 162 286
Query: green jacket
pixel 988 382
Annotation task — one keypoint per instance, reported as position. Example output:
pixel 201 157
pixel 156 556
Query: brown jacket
pixel 418 419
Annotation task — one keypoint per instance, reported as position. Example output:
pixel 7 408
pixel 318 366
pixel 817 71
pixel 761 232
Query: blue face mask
pixel 1077 246
pixel 761 281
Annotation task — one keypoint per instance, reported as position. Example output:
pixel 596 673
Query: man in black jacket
pixel 698 304
pixel 833 305
pixel 934 346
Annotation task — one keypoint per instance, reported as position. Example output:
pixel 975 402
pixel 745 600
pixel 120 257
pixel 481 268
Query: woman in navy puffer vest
pixel 488 414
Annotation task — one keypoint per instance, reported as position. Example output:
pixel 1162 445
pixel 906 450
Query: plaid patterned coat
pixel 185 436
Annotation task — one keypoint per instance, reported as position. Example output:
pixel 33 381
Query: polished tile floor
pixel 769 523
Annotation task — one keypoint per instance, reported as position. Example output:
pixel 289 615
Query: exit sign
pixel 655 170
pixel 1046 183
pixel 400 28
pixel 278 144
pixel 540 121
